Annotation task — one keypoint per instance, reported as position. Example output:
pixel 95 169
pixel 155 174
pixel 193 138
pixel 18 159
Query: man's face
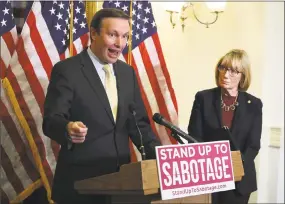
pixel 112 39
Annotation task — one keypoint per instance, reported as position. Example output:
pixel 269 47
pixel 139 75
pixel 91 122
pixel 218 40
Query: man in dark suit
pixel 87 109
pixel 229 106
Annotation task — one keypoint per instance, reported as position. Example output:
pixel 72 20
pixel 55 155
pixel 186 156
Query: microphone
pixel 162 121
pixel 142 151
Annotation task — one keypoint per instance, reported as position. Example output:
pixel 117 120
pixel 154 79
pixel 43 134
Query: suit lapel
pixel 217 105
pixel 94 80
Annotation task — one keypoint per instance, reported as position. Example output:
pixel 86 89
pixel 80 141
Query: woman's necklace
pixel 230 107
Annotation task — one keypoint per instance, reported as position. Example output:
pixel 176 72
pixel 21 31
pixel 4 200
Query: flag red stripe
pixel 8 38
pixel 74 50
pixel 164 69
pixel 10 173
pixel 28 116
pixel 30 74
pixel 39 44
pixel 3 69
pixel 62 56
pixel 18 143
pixel 84 39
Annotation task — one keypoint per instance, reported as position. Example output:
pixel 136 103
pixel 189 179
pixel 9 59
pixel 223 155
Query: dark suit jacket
pixel 76 93
pixel 205 122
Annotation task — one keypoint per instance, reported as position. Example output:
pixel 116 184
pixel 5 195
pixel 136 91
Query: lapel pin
pixel 249 101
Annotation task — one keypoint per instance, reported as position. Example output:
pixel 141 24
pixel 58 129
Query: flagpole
pixel 130 35
pixel 71 30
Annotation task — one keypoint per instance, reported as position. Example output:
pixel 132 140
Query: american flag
pixel 18 172
pixel 8 36
pixel 149 64
pixel 43 42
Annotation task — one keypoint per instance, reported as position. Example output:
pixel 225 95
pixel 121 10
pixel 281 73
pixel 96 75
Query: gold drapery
pixel 130 35
pixel 91 7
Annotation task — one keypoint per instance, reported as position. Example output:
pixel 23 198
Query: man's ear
pixel 93 33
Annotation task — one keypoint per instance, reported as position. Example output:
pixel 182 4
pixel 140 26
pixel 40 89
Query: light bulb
pixel 173 6
pixel 216 6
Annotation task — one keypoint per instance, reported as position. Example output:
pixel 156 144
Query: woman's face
pixel 229 78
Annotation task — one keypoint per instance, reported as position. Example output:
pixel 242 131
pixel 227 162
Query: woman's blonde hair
pixel 239 61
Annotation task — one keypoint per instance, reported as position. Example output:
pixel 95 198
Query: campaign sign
pixel 194 169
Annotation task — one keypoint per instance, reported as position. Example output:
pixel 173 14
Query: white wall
pixel 271 159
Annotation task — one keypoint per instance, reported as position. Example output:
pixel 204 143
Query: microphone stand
pixel 142 151
pixel 141 147
pixel 178 139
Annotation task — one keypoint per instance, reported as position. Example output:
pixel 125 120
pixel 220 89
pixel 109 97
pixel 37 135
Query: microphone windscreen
pixel 157 118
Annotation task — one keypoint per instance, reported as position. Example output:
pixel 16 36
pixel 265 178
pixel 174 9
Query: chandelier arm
pixel 171 19
pixel 205 23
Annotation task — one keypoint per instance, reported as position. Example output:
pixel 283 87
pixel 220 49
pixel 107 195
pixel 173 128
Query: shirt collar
pixel 97 63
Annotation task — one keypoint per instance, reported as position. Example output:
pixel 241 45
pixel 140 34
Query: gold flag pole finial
pixel 130 35
pixel 71 30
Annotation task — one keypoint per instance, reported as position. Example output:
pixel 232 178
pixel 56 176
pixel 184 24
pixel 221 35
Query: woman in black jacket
pixel 230 106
